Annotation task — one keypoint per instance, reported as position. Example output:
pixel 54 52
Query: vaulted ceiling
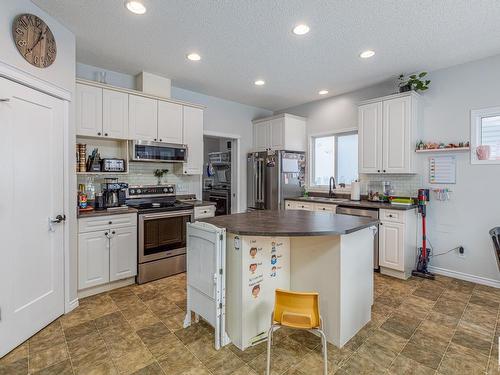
pixel 244 40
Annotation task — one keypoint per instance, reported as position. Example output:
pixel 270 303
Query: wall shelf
pixel 443 150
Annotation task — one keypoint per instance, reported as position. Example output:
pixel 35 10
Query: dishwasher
pixel 364 212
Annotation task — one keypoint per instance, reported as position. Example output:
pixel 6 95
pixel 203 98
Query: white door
pixel 370 138
pixel 143 118
pixel 31 251
pixel 93 258
pixel 391 245
pixel 193 138
pixel 123 253
pixel 169 122
pixel 261 136
pixel 115 114
pixel 276 134
pixel 396 136
pixel 88 103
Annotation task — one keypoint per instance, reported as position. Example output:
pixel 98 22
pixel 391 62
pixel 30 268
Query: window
pixel 334 155
pixel 485 136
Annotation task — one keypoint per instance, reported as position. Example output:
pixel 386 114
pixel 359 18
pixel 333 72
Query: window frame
pixel 311 152
pixel 476 115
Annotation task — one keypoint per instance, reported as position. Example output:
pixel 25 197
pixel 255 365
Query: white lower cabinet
pixel 123 253
pixel 107 250
pixel 397 242
pixel 93 259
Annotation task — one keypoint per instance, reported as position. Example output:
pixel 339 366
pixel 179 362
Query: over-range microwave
pixel 157 152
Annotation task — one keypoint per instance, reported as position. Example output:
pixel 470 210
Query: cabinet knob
pixel 113 232
pixel 105 233
pixel 381 223
pixel 390 215
pixel 105 134
pixel 160 140
pixel 98 133
pixel 384 170
pixel 378 170
pixel 155 139
pixel 110 222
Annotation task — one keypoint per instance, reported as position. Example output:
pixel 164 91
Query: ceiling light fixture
pixel 301 29
pixel 193 57
pixel 135 6
pixel 323 92
pixel 260 82
pixel 367 54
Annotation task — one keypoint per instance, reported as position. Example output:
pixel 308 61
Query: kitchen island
pixel 298 250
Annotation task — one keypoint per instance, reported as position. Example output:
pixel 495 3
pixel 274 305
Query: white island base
pixel 239 305
pixel 339 268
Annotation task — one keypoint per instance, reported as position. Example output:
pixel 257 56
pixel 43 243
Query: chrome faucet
pixel 332 187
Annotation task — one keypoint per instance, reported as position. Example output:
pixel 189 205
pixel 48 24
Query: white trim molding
pixel 476 116
pixel 14 74
pixel 72 305
pixel 465 276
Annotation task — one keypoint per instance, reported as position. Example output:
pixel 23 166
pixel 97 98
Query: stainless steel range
pixel 161 231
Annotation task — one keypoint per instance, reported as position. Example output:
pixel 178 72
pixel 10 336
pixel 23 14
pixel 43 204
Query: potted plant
pixel 159 173
pixel 413 82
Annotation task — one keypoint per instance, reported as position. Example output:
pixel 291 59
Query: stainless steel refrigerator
pixel 273 176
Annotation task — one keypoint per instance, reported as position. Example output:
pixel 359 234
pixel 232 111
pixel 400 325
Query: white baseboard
pixel 465 276
pixel 71 305
pixel 105 287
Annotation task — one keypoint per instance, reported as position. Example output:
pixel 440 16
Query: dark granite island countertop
pixel 290 223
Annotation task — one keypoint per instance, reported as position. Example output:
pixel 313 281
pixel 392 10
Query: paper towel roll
pixel 355 191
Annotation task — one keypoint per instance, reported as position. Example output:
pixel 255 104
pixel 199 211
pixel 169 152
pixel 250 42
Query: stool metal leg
pixel 325 348
pixel 269 342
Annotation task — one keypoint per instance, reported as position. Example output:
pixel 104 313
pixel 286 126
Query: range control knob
pixel 166 190
pixel 132 191
pixel 170 189
pixel 139 191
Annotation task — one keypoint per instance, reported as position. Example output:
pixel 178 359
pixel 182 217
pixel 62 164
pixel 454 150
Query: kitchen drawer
pixel 203 212
pixel 303 206
pixel 90 224
pixel 325 207
pixel 395 216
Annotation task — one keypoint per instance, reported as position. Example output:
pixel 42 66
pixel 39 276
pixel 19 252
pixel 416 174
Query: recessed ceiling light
pixel 193 57
pixel 135 6
pixel 323 92
pixel 367 54
pixel 301 29
pixel 260 82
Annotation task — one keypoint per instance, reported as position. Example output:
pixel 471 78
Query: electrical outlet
pixel 461 252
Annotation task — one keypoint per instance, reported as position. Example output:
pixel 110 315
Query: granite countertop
pixel 94 213
pixel 348 203
pixel 290 223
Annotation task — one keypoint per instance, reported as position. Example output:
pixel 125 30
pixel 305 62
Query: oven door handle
pixel 166 214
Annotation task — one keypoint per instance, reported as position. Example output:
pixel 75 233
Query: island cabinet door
pixel 391 245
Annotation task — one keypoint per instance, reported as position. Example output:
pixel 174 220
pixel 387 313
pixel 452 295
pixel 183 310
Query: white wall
pixel 221 116
pixel 474 207
pixel 61 74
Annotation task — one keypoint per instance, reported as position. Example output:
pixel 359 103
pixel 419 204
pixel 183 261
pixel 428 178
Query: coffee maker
pixel 113 193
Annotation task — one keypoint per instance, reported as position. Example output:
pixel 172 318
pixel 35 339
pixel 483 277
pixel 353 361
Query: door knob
pixel 58 219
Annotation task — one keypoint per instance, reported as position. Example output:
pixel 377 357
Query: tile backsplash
pixel 403 185
pixel 143 174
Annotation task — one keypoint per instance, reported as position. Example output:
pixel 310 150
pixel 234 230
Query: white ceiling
pixel 242 40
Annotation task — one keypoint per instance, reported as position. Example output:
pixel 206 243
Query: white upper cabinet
pixel 370 138
pixel 397 144
pixel 114 114
pixel 143 118
pixel 193 138
pixel 388 133
pixel 170 122
pixel 281 132
pixel 88 110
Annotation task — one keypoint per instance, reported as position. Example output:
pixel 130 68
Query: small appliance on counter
pixel 112 165
pixel 380 191
pixel 114 193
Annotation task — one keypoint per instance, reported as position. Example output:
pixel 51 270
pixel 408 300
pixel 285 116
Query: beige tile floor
pixel 444 326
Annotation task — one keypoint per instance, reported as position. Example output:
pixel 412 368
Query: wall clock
pixel 34 40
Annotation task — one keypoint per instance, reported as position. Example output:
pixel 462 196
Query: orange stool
pixel 300 311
